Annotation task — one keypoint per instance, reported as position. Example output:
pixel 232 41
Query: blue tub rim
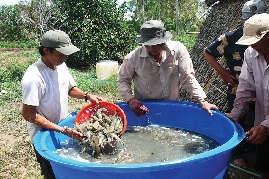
pixel 234 140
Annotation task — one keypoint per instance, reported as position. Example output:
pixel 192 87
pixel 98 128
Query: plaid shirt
pixel 234 54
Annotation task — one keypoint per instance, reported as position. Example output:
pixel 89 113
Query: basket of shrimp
pixel 102 125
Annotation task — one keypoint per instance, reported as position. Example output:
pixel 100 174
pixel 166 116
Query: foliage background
pixel 102 29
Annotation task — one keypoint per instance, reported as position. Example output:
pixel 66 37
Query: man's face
pixel 262 46
pixel 56 58
pixel 155 49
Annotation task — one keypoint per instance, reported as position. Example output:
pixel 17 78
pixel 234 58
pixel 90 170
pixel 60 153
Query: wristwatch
pixel 86 97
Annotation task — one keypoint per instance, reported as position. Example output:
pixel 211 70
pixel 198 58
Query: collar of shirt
pixel 144 52
pixel 256 54
pixel 168 48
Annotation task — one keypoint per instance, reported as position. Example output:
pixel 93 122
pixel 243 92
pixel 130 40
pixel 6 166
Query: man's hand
pixel 257 134
pixel 208 106
pixel 231 117
pixel 137 107
pixel 72 133
pixel 95 98
pixel 228 78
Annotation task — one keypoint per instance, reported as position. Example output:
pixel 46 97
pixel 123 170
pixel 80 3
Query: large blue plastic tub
pixel 207 165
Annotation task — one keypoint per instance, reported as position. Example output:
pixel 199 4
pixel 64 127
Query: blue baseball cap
pixel 253 7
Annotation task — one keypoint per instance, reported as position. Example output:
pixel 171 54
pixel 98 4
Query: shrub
pixel 97 27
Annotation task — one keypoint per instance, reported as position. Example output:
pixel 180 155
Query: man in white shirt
pixel 46 86
pixel 254 82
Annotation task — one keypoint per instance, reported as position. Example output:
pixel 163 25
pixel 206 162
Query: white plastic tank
pixel 106 68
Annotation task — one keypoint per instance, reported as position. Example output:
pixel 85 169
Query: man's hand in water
pixel 138 107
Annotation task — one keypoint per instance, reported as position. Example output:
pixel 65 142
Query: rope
pixel 245 171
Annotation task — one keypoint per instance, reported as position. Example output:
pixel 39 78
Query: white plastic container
pixel 106 68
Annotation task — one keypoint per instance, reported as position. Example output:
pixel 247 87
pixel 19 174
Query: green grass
pixel 28 44
pixel 88 81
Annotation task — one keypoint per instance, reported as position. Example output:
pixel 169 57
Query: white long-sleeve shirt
pixel 153 80
pixel 253 82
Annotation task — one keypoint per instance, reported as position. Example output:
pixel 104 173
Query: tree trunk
pixel 177 17
pixel 143 11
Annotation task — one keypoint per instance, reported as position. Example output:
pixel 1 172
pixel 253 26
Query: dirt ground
pixel 17 158
pixel 249 173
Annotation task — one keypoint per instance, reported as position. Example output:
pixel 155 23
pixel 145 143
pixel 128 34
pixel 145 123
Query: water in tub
pixel 143 145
